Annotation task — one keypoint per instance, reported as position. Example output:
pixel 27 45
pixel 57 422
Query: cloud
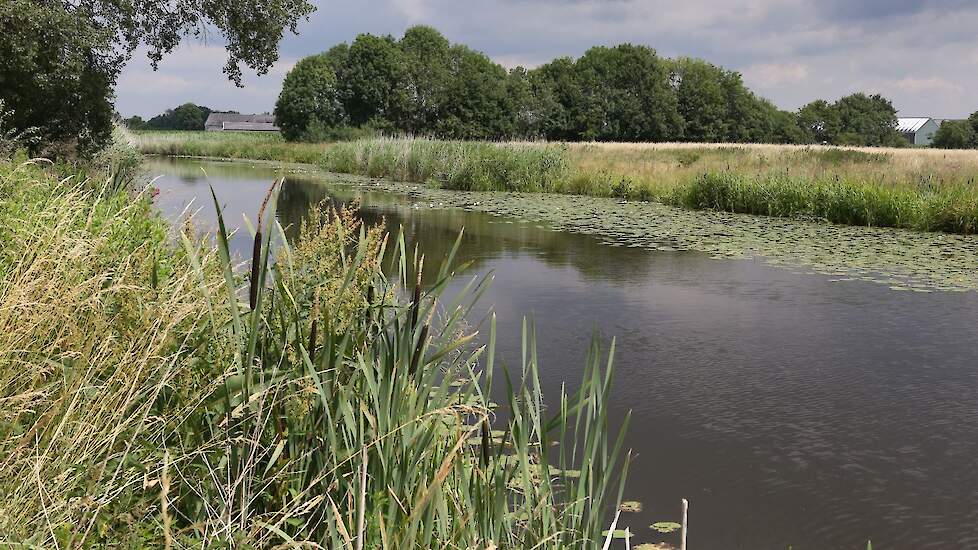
pixel 919 53
pixel 775 74
pixel 929 85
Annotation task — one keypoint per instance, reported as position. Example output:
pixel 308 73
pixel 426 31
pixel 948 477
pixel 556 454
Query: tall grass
pixel 952 209
pixel 468 166
pixel 226 145
pixel 918 189
pixel 164 397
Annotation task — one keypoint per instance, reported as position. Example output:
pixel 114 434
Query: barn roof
pixel 910 125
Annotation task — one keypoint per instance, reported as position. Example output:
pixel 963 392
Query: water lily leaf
pixel 619 534
pixel 631 506
pixel 665 526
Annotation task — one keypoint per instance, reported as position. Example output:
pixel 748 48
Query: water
pixel 789 408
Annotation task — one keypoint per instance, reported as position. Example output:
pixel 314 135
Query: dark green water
pixel 790 407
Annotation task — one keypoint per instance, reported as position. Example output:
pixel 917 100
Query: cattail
pixel 416 304
pixel 370 303
pixel 312 329
pixel 486 442
pixel 417 351
pixel 255 265
pixel 312 342
pixel 256 249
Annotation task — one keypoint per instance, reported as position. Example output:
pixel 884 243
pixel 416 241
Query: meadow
pixel 919 189
pixel 157 392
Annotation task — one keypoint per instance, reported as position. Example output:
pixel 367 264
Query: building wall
pixel 925 135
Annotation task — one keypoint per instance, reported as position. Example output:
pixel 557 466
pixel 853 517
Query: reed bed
pixel 919 189
pixel 162 395
pixel 461 165
pixel 226 145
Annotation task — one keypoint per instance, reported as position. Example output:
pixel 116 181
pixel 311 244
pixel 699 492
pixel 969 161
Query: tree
pixel 866 120
pixel 956 134
pixel 309 94
pixel 557 94
pixel 372 81
pixel 819 122
pixel 477 101
pixel 135 122
pixel 56 76
pixel 61 58
pixel 786 128
pixel 625 96
pixel 701 99
pixel 189 117
pixel 427 59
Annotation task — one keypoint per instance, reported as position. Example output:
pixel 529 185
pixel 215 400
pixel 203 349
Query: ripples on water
pixel 789 406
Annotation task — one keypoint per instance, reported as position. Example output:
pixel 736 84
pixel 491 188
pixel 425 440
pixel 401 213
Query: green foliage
pixel 61 58
pixel 371 80
pixel 57 76
pixel 702 101
pixel 188 116
pixel 953 210
pixel 421 85
pixel 625 96
pixel 819 121
pixel 857 119
pixel 335 406
pixel 227 145
pixel 956 134
pixel 428 63
pixel 309 98
pixel 872 119
pixel 470 166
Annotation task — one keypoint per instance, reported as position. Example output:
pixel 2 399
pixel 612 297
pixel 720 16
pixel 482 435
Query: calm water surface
pixel 790 409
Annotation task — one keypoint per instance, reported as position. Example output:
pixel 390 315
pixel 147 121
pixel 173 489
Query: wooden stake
pixel 682 544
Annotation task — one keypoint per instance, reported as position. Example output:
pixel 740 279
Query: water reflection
pixel 789 408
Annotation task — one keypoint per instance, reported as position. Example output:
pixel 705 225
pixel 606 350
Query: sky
pixel 921 54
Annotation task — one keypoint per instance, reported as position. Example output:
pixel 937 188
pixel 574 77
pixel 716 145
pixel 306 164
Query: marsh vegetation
pixel 157 394
pixel 925 190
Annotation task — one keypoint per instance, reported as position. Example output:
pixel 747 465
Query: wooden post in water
pixel 682 543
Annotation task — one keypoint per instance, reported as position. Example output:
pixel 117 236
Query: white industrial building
pixel 918 130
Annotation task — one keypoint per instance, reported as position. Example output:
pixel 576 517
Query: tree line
pixel 188 116
pixel 958 134
pixel 424 85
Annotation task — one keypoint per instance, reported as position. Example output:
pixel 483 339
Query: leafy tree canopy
pixel 422 84
pixel 956 134
pixel 61 58
pixel 309 96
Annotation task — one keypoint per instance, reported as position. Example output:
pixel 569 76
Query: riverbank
pixel 918 189
pixel 149 407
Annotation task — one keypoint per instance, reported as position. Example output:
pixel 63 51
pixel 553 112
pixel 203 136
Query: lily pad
pixel 892 257
pixel 631 506
pixel 619 534
pixel 665 526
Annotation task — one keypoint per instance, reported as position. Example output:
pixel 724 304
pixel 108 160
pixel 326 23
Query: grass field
pixel 920 189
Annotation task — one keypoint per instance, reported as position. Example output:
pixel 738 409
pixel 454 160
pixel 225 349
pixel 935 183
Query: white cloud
pixel 928 85
pixel 776 74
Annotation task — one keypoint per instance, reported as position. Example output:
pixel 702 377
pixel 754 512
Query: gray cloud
pixel 919 53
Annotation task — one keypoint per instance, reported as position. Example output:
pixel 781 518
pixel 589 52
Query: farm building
pixel 234 122
pixel 918 130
